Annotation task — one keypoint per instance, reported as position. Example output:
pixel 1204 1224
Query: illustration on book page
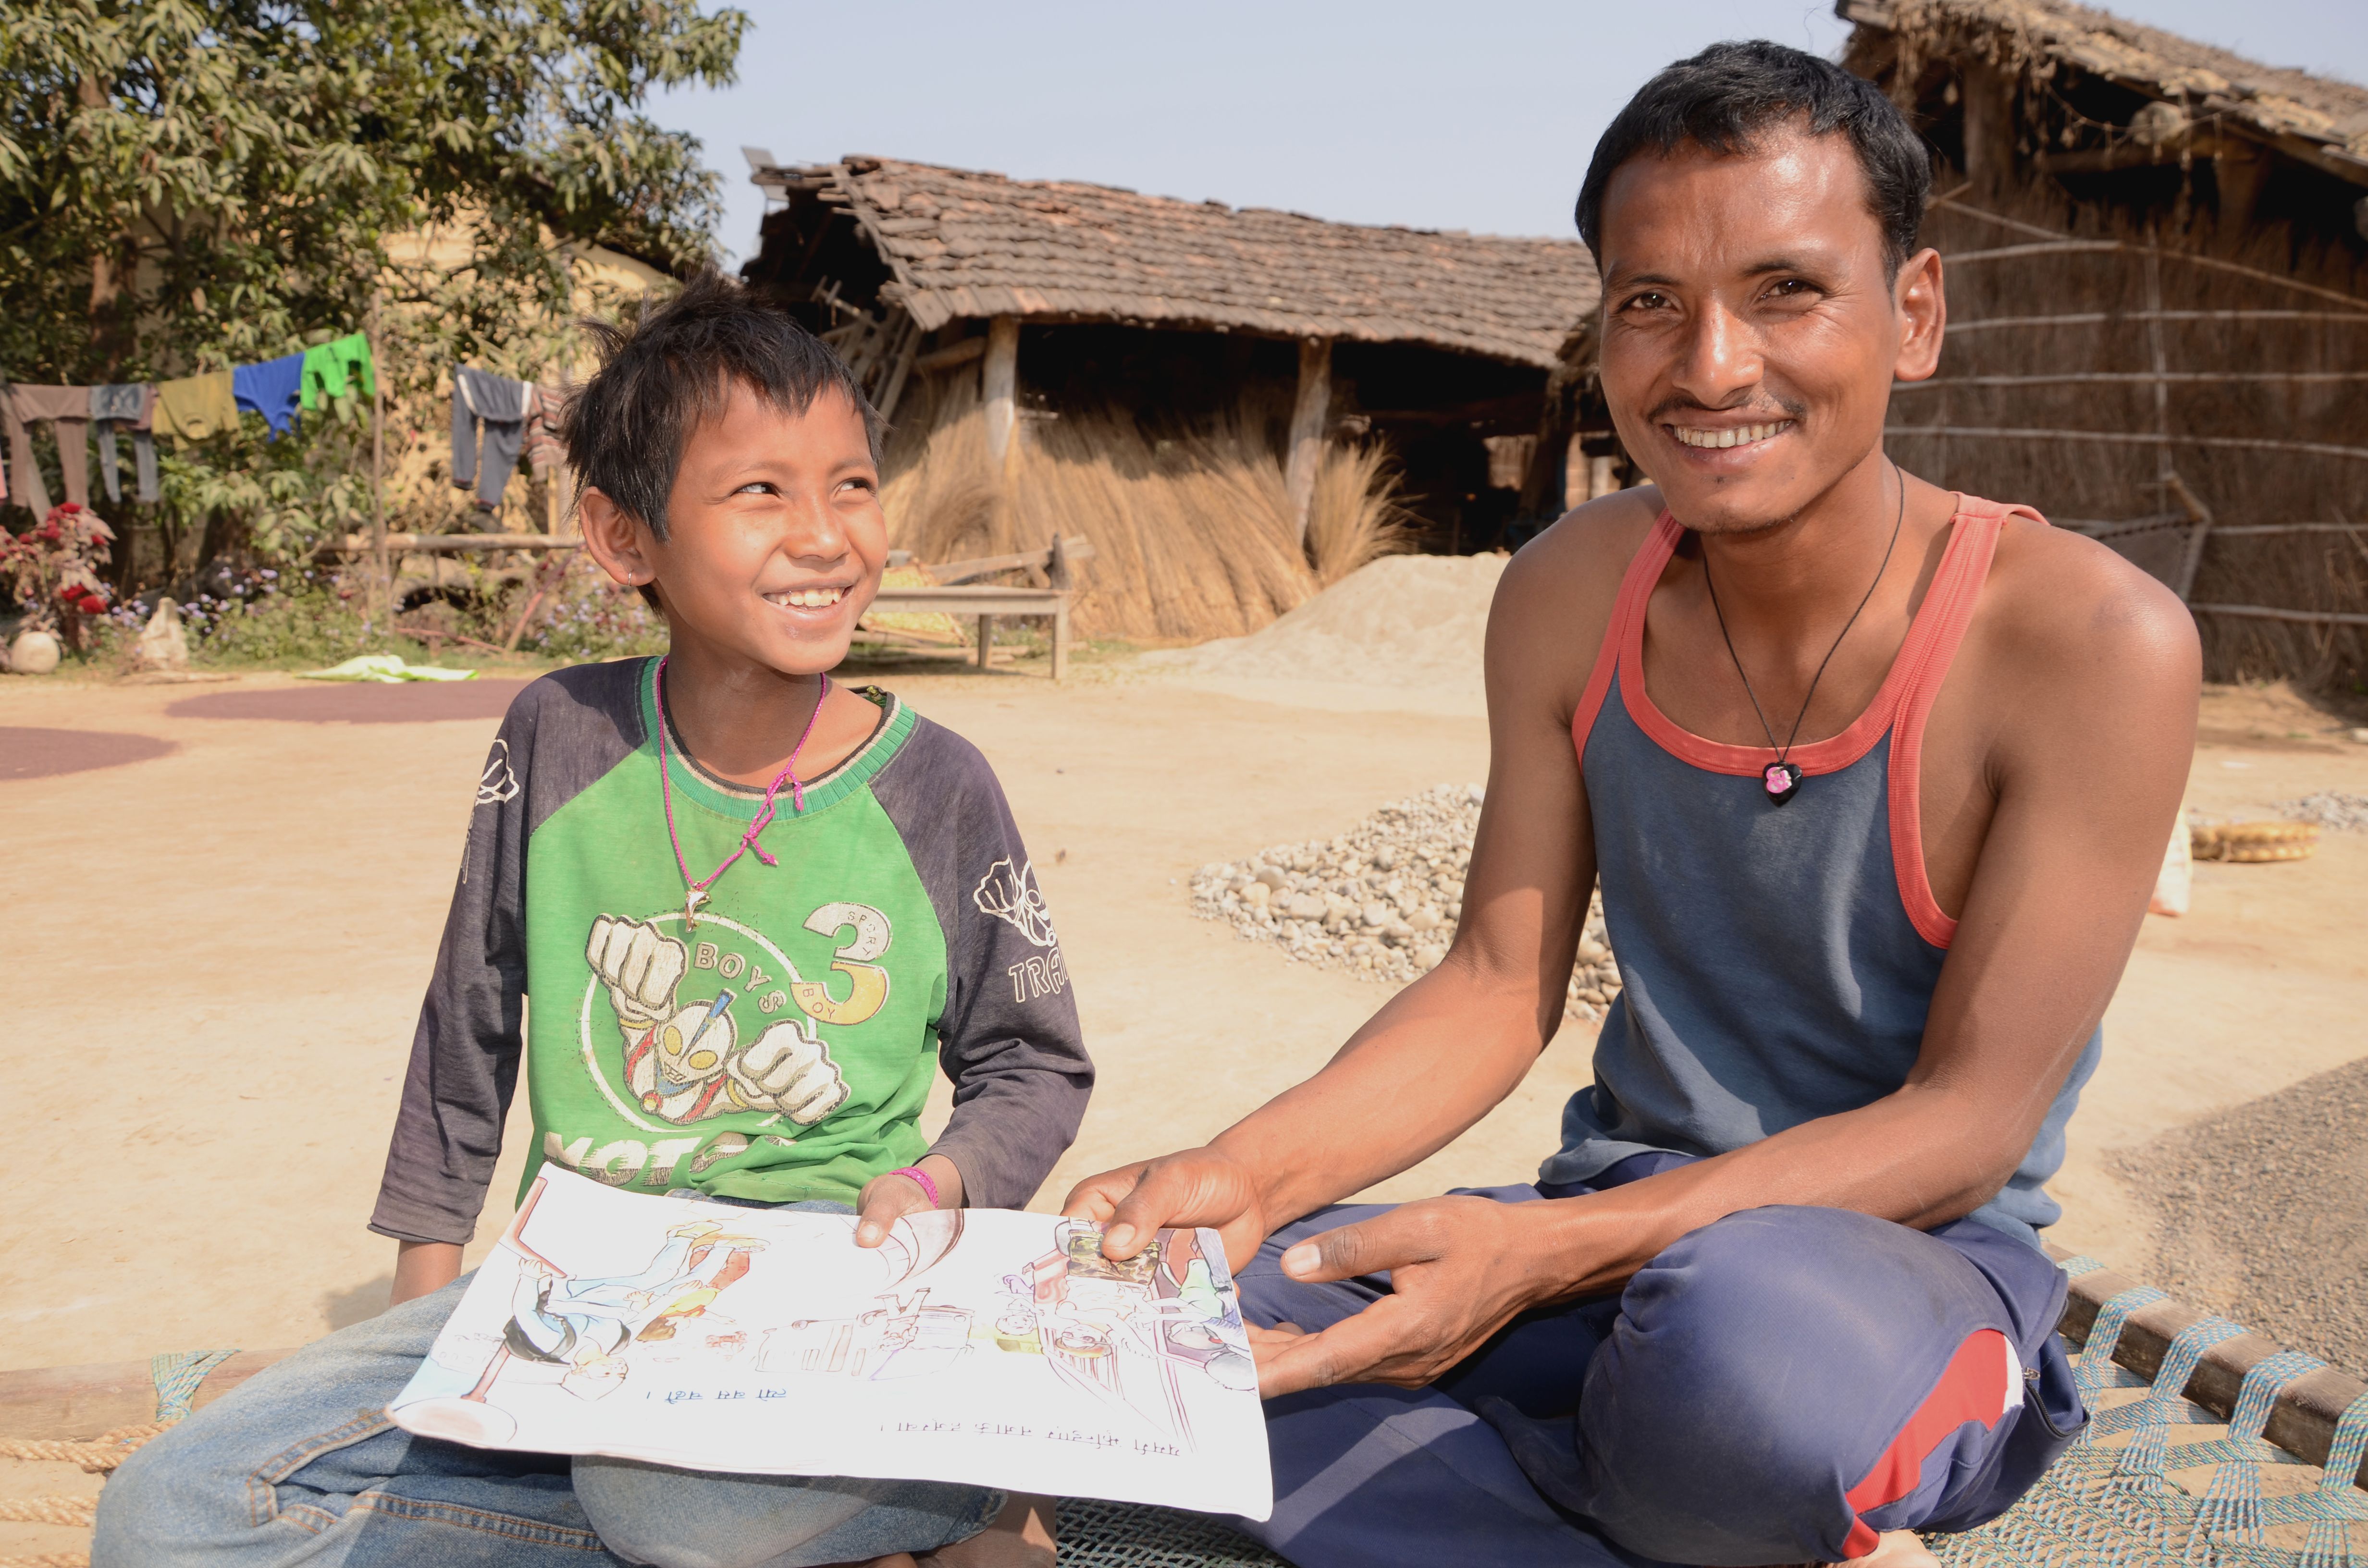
pixel 980 1346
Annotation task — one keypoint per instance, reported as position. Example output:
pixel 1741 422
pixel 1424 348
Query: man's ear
pixel 620 541
pixel 1923 307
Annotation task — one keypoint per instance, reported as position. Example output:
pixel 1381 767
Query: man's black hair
pixel 675 366
pixel 1723 97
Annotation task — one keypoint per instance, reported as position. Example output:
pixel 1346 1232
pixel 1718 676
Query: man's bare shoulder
pixel 1555 600
pixel 2062 607
pixel 1581 558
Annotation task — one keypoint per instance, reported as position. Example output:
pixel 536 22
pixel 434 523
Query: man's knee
pixel 1761 1366
pixel 173 1497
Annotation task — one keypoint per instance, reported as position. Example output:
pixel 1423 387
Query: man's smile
pixel 1727 435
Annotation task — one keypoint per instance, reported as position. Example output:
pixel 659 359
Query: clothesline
pixel 495 420
pixel 189 408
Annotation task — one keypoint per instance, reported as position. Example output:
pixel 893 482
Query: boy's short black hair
pixel 1723 97
pixel 674 367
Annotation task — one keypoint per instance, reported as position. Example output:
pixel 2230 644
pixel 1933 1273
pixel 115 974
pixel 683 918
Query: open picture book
pixel 980 1346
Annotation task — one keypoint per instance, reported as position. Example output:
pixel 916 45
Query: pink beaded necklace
pixel 695 892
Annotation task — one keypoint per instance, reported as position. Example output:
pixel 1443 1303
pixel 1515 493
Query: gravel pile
pixel 1381 899
pixel 1405 621
pixel 2329 808
pixel 2264 1214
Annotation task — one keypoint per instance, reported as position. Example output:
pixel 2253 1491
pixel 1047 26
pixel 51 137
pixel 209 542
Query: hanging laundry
pixel 273 389
pixel 546 443
pixel 499 405
pixel 131 408
pixel 67 409
pixel 332 370
pixel 196 407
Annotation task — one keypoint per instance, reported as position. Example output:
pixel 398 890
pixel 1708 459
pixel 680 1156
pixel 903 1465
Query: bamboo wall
pixel 2205 413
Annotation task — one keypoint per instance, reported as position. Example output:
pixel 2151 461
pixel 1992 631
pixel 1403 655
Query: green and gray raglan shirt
pixel 782 1049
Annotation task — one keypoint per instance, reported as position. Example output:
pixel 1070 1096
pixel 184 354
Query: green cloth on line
pixel 328 367
pixel 385 667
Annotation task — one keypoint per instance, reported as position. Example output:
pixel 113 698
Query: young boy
pixel 747 901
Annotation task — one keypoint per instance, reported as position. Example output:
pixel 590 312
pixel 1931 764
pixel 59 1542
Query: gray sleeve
pixel 561 733
pixel 464 1053
pixel 1009 1038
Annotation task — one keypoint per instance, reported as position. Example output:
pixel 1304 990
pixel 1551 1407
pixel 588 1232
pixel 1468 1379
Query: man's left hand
pixel 1459 1268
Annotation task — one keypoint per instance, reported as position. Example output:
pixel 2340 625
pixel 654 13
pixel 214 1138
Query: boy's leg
pixel 1788 1383
pixel 299 1464
pixel 678 1519
pixel 1375 1476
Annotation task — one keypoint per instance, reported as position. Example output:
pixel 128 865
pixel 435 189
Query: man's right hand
pixel 1193 1187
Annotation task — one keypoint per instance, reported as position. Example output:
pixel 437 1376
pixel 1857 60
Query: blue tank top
pixel 1776 964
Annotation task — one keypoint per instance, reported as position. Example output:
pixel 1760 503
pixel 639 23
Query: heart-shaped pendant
pixel 1783 780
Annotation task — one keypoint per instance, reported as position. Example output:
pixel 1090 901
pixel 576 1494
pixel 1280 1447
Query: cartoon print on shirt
pixel 1011 894
pixel 684 1058
pixel 497 783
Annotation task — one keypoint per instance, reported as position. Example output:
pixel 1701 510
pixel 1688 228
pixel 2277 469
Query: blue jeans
pixel 1781 1386
pixel 301 1465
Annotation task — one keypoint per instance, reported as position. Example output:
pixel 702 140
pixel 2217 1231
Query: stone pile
pixel 2337 809
pixel 1381 899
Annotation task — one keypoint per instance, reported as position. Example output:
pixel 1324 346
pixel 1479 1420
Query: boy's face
pixel 775 538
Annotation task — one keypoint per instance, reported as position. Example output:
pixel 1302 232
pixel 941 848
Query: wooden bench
pixel 958 591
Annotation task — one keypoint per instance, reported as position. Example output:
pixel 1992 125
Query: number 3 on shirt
pixel 868 983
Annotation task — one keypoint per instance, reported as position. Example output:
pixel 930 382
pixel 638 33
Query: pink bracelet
pixel 922 1177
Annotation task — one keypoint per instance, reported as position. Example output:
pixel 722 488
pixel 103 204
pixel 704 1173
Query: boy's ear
pixel 617 540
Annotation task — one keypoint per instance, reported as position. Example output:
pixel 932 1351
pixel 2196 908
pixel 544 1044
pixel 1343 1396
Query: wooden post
pixel 378 467
pixel 2239 170
pixel 1308 412
pixel 1061 638
pixel 999 385
pixel 985 638
pixel 1989 127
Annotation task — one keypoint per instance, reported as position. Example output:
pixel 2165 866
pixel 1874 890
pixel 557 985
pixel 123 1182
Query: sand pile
pixel 1406 622
pixel 1382 900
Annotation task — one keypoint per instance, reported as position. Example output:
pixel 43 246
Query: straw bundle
pixel 1357 513
pixel 1192 529
pixel 2205 343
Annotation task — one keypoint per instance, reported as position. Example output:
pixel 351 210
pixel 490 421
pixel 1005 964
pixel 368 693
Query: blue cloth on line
pixel 274 389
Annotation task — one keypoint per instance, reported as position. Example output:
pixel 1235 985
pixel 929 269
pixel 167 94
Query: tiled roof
pixel 2320 114
pixel 967 244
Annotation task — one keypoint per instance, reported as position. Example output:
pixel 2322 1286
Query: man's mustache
pixel 1785 408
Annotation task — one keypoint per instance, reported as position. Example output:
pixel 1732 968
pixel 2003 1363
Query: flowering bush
pixel 53 568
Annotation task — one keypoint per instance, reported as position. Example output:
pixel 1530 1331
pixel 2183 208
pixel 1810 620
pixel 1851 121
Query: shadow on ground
pixel 358 1303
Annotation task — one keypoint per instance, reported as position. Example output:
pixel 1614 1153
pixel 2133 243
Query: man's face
pixel 774 539
pixel 1751 327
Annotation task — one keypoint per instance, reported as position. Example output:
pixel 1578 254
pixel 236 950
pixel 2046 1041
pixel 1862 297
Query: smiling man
pixel 1876 777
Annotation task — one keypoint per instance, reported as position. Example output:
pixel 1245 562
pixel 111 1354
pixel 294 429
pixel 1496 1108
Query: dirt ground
pixel 217 952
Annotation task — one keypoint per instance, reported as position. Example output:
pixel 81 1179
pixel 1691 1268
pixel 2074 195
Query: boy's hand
pixel 888 1198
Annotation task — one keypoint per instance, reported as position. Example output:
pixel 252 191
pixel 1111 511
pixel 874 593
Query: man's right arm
pixel 1444 1050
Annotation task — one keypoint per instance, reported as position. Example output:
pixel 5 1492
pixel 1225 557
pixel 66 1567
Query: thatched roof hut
pixel 2158 264
pixel 1074 298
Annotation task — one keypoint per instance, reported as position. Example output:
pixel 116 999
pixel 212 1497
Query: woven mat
pixel 2158 1480
pixel 1127 1535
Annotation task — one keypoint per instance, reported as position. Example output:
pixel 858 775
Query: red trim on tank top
pixel 1899 708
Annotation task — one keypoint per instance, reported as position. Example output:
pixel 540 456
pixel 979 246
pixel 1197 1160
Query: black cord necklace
pixel 1784 778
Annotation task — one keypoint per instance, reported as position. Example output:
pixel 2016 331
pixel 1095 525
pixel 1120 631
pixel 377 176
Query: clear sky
pixel 1474 115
